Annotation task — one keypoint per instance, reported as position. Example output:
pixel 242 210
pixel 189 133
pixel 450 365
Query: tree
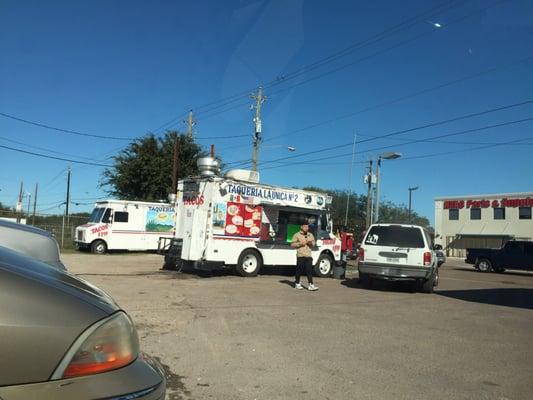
pixel 143 170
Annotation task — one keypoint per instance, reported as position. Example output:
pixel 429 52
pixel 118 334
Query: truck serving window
pixel 395 236
pixel 96 215
pixel 121 216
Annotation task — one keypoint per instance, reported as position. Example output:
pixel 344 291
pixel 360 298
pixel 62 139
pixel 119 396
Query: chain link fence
pixel 63 228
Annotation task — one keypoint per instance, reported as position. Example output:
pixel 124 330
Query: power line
pixel 403 131
pixel 54 128
pixel 423 34
pixel 48 150
pixel 54 158
pixel 396 100
pixel 413 142
pixel 421 17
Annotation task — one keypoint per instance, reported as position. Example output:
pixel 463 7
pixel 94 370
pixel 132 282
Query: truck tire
pixel 324 266
pixel 484 265
pixel 98 247
pixel 250 262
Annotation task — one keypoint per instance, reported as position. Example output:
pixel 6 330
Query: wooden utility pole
pixel 34 204
pixel 259 100
pixel 212 153
pixel 175 166
pixel 67 200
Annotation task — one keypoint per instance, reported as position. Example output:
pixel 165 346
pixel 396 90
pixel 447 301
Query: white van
pixel 396 252
pixel 126 225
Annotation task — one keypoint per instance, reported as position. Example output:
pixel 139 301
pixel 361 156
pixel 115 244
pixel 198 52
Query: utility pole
pixel 369 178
pixel 67 202
pixel 175 166
pixel 378 182
pixel 18 208
pixel 34 204
pixel 350 181
pixel 259 100
pixel 28 210
pixel 190 124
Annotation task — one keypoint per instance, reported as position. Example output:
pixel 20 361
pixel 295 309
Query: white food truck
pixel 126 225
pixel 233 221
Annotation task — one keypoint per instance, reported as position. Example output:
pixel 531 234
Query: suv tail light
pixel 107 345
pixel 361 254
pixel 427 258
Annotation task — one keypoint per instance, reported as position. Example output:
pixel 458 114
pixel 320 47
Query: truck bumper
pixel 395 272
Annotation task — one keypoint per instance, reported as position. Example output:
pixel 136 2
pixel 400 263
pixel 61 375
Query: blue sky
pixel 125 68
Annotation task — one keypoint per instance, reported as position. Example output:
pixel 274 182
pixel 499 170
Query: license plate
pixel 393 260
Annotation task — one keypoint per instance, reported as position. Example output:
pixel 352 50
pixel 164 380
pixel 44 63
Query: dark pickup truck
pixel 514 255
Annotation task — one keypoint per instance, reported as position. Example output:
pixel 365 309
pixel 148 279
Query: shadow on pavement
pixel 509 297
pixel 188 272
pixel 507 272
pixel 379 285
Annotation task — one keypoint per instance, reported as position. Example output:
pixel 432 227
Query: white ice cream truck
pixel 233 221
pixel 126 225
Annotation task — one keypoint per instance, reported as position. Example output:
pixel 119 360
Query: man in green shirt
pixel 303 241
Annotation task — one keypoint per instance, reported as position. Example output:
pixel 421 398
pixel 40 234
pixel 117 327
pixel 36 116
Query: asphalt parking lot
pixel 226 337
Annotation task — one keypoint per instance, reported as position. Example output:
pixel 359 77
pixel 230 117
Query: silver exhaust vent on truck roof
pixel 243 175
pixel 208 166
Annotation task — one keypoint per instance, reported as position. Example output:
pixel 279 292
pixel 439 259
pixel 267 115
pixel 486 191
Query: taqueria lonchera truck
pixel 126 225
pixel 235 222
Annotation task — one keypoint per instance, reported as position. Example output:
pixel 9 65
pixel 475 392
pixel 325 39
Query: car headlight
pixel 109 344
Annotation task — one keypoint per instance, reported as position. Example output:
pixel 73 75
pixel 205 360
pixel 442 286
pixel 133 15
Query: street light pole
pixel 385 156
pixel 411 190
pixel 350 181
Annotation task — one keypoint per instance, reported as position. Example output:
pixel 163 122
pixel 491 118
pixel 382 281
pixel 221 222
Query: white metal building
pixel 486 220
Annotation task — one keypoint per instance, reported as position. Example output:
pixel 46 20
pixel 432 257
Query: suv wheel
pixel 428 285
pixel 365 280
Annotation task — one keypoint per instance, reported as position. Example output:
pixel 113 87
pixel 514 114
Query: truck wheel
pixel 249 264
pixel 324 266
pixel 98 247
pixel 484 265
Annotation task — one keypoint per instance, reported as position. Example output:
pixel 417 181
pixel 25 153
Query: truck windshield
pixel 395 236
pixel 96 215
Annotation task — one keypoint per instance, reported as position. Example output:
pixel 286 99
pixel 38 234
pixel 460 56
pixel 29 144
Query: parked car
pixel 439 252
pixel 395 252
pixel 34 242
pixel 514 254
pixel 62 338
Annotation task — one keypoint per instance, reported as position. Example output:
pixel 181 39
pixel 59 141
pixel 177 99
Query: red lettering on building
pixel 459 204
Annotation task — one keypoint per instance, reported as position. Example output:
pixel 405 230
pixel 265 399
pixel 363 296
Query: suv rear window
pixel 395 236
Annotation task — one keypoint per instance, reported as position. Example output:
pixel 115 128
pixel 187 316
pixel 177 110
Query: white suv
pixel 398 253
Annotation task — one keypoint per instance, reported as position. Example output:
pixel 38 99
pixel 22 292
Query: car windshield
pixel 96 215
pixel 395 236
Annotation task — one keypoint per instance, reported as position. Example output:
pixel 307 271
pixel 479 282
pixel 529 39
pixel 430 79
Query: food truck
pixel 126 225
pixel 235 222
